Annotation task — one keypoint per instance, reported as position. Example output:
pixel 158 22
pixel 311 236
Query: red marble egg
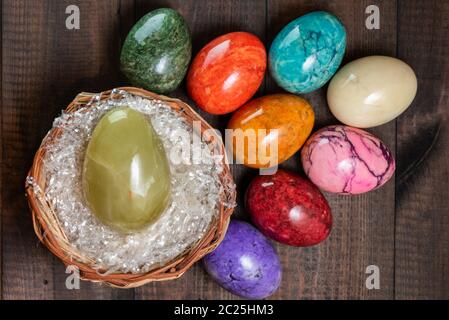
pixel 227 72
pixel 289 209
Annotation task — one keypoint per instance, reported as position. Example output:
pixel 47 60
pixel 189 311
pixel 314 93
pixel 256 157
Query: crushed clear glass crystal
pixel 195 199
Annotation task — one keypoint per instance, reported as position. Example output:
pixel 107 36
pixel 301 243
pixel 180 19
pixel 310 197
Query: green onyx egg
pixel 157 51
pixel 126 175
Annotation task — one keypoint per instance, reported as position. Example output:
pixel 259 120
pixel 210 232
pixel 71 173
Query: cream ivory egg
pixel 371 91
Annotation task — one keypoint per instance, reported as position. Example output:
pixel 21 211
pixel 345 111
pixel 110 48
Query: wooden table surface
pixel 403 228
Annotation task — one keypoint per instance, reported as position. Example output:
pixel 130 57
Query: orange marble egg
pixel 270 129
pixel 227 72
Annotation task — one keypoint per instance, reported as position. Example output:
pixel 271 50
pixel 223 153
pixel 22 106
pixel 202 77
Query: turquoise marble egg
pixel 307 52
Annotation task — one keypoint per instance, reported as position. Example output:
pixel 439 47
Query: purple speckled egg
pixel 245 263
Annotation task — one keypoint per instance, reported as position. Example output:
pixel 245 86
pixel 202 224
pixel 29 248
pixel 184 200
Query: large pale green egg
pixel 126 175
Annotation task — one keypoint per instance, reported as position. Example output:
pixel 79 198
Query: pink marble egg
pixel 346 160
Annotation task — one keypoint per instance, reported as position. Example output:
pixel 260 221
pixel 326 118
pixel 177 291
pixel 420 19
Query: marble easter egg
pixel 270 129
pixel 371 91
pixel 288 209
pixel 245 263
pixel 307 52
pixel 126 175
pixel 347 160
pixel 157 51
pixel 227 72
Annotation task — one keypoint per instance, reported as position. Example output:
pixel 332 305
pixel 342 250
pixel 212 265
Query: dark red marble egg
pixel 289 209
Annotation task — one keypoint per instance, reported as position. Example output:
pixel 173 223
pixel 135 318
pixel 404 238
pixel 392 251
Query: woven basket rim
pixel 51 234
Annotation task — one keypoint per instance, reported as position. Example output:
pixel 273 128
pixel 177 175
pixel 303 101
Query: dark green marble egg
pixel 157 51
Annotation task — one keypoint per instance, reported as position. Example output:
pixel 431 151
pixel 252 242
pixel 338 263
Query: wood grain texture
pixel 27 267
pixel 1 151
pixel 97 45
pixel 45 66
pixel 363 227
pixel 403 227
pixel 207 22
pixel 422 223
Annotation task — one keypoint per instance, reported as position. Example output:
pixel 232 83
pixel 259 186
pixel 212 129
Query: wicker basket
pixel 51 234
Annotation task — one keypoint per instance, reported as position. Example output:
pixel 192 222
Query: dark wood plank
pixel 1 149
pixel 97 44
pixel 27 272
pixel 207 20
pixel 422 207
pixel 44 66
pixel 363 232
